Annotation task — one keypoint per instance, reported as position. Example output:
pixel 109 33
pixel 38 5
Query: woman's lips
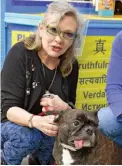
pixel 56 49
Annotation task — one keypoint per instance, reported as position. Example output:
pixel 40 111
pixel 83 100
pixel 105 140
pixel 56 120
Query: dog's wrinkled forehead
pixel 72 115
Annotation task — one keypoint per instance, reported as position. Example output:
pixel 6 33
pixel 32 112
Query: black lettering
pixel 85 94
pixel 94 65
pixel 84 107
pixel 91 95
pixel 92 107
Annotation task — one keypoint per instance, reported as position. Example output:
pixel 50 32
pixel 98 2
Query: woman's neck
pixel 49 61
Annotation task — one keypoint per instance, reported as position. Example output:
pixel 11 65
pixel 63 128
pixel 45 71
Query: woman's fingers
pixel 55 103
pixel 47 101
pixel 50 132
pixel 50 127
pixel 44 103
pixel 46 124
pixel 48 108
pixel 49 119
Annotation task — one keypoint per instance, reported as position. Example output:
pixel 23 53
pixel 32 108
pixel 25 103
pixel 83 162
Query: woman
pixel 110 118
pixel 42 63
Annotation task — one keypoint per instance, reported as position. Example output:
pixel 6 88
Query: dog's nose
pixel 89 131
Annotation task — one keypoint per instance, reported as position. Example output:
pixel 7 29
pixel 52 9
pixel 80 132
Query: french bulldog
pixel 80 142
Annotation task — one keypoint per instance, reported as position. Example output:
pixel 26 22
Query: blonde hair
pixel 61 9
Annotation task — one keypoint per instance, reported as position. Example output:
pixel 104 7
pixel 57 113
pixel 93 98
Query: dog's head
pixel 77 129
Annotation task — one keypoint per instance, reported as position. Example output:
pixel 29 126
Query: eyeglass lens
pixel 56 31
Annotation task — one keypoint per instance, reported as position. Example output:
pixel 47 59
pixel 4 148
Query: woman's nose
pixel 58 38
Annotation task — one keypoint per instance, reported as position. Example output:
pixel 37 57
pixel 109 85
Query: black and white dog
pixel 79 141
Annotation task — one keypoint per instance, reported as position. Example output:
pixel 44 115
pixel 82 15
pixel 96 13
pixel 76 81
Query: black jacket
pixel 22 83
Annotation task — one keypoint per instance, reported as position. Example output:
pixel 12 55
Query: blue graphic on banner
pixel 39 6
pixel 43 3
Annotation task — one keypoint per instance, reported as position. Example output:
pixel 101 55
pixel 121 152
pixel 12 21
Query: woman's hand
pixel 54 103
pixel 45 124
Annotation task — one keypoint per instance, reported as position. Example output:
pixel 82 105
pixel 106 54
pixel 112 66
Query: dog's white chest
pixel 66 157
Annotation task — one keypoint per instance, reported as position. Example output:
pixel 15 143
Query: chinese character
pixel 100 46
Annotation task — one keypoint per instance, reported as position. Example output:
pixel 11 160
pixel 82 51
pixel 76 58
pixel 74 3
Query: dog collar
pixel 86 144
pixel 68 147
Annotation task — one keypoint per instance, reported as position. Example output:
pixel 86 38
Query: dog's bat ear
pixel 96 111
pixel 71 105
pixel 58 116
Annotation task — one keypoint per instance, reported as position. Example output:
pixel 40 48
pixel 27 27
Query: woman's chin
pixel 54 54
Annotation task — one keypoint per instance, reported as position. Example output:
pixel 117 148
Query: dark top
pixel 23 83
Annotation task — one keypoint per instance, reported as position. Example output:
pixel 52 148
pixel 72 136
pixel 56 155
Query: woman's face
pixel 56 39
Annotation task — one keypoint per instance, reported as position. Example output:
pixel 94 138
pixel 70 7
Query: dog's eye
pixel 76 123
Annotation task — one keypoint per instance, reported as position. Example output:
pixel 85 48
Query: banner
pixel 93 64
pixel 19 35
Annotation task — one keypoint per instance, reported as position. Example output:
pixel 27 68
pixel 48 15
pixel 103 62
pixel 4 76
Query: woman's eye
pixel 76 123
pixel 53 30
pixel 69 35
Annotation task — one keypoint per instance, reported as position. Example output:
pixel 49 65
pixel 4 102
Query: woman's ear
pixel 41 26
pixel 40 29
